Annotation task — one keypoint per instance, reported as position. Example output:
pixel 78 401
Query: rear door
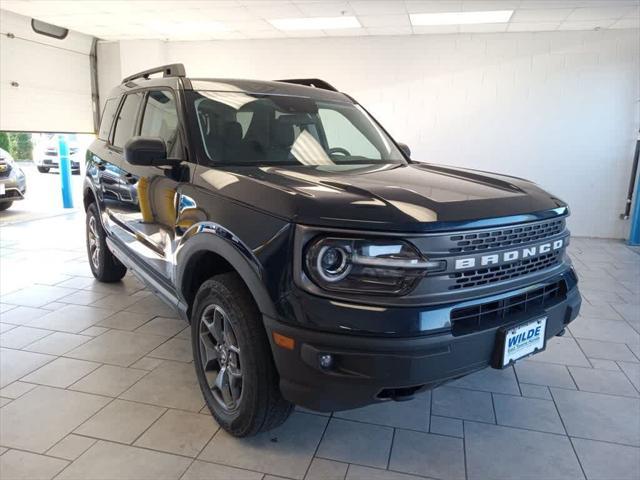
pixel 119 193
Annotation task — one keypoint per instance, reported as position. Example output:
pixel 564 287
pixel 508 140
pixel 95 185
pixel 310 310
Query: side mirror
pixel 405 149
pixel 146 151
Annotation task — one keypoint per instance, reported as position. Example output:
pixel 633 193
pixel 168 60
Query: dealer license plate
pixel 523 340
pixel 2 190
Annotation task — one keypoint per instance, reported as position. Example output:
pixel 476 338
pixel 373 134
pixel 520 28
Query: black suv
pixel 317 264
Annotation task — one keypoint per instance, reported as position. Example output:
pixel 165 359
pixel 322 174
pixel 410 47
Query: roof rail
pixel 311 82
pixel 172 70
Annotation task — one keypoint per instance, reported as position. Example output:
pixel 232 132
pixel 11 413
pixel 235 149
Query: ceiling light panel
pixel 460 18
pixel 315 23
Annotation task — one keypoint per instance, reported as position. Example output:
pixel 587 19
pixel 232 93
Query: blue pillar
pixel 65 171
pixel 634 233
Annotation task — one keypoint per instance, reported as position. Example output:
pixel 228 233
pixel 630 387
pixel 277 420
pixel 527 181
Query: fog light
pixel 326 360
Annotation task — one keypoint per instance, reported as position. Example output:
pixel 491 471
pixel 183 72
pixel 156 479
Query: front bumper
pixel 15 186
pixel 370 369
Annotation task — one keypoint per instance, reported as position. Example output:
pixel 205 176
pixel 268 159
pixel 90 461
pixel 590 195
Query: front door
pixel 150 219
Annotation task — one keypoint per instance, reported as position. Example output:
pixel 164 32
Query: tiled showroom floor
pixel 97 382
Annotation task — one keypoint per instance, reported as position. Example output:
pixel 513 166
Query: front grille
pixel 505 237
pixel 487 275
pixel 490 314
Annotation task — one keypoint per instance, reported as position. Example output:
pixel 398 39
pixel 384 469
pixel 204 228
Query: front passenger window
pixel 126 119
pixel 160 120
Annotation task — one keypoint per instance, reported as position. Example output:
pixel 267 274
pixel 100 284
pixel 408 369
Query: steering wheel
pixel 339 150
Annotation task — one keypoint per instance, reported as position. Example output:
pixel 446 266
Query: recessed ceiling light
pixel 315 23
pixel 460 18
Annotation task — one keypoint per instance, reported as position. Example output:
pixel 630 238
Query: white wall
pixel 558 108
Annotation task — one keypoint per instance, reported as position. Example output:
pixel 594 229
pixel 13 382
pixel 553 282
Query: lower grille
pixel 11 193
pixel 490 314
pixel 487 275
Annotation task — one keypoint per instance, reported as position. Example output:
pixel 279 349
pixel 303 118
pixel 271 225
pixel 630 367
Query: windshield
pixel 238 128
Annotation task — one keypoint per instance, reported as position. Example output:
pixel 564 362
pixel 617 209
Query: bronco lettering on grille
pixel 508 256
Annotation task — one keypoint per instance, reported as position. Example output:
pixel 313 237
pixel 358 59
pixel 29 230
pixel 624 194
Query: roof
pixel 265 87
pixel 174 75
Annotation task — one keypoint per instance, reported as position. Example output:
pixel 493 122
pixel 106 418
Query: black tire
pixel 260 406
pixel 104 265
pixel 43 169
pixel 5 205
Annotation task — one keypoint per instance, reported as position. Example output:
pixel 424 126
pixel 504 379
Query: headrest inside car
pixel 282 134
pixel 232 133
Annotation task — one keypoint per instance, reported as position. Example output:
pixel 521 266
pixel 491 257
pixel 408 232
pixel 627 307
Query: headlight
pixel 383 267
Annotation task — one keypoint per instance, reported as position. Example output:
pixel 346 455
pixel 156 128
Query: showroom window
pixel 160 120
pixel 126 119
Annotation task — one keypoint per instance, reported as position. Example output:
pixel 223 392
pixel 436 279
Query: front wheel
pixel 104 265
pixel 5 205
pixel 43 169
pixel 233 359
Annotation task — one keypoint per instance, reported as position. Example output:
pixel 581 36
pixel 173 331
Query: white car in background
pixel 46 153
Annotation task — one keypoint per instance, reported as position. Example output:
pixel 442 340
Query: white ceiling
pixel 244 19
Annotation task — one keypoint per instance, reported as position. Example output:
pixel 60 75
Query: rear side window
pixel 160 120
pixel 126 119
pixel 107 118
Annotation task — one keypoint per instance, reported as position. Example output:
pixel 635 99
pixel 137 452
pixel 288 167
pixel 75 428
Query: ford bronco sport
pixel 317 264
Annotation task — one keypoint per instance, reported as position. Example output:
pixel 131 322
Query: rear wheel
pixel 104 265
pixel 43 169
pixel 233 359
pixel 5 205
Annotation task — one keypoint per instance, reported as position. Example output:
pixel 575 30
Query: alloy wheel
pixel 94 242
pixel 220 357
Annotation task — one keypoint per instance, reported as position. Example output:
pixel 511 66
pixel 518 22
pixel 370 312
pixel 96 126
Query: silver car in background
pixel 13 182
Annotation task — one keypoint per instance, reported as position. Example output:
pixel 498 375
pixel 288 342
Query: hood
pixel 391 197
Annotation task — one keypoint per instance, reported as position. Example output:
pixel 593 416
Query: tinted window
pixel 126 119
pixel 243 128
pixel 107 118
pixel 161 120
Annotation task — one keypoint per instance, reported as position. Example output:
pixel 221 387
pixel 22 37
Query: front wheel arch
pixel 224 257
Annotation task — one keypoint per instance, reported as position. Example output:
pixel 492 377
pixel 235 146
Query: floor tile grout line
pixel 393 439
pixel 575 452
pixel 202 449
pixel 39 453
pixel 583 352
pixel 464 450
pixel 515 374
pixel 151 425
pixel 375 468
pixel 628 378
pixel 51 332
pixel 61 440
pixel 493 406
pixel 430 410
pixel 315 451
